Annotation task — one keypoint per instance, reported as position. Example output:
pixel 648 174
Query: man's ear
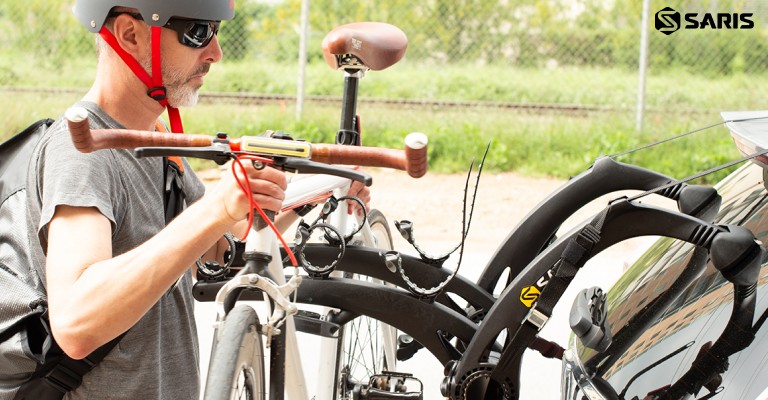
pixel 131 34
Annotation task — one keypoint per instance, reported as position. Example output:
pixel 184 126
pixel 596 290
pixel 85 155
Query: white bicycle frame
pixel 302 191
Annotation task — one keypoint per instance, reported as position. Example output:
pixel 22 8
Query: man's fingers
pixel 267 186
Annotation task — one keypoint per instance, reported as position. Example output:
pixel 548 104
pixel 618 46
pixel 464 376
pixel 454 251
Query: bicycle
pixel 375 346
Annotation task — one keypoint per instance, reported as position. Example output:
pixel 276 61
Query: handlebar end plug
pixel 76 114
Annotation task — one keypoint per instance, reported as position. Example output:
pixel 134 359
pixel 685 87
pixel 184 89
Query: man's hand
pixel 267 189
pixel 359 190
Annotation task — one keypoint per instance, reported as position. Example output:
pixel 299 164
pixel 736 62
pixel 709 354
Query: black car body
pixel 647 355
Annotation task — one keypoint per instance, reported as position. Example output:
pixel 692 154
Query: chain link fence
pixel 581 52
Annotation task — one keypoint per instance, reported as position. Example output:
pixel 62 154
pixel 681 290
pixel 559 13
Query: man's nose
pixel 213 51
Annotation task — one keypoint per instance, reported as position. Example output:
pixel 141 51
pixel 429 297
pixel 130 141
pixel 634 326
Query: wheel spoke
pixel 361 344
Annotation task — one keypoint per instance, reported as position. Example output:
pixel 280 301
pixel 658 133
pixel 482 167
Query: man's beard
pixel 179 90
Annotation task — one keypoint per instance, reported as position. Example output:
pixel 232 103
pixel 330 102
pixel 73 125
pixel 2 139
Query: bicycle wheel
pixel 237 363
pixel 363 342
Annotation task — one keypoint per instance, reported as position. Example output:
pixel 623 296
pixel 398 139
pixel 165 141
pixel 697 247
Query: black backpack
pixel 26 343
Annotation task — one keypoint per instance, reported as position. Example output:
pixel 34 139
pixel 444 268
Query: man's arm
pixel 94 297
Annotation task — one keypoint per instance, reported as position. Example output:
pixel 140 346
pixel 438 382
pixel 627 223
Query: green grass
pixel 603 87
pixel 548 144
pixel 537 145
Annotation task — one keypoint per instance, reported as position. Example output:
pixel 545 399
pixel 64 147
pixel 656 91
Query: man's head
pixel 188 27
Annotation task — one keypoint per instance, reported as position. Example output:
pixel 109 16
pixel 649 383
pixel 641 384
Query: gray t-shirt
pixel 158 357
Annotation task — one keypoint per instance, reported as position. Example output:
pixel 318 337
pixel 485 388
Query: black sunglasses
pixel 193 33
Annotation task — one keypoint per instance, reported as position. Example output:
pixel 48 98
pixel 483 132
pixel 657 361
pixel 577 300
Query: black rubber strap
pixel 575 255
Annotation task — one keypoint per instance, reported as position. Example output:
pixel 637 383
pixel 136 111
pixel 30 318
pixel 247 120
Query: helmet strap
pixel 154 83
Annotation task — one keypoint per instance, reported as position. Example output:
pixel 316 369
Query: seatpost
pixel 349 130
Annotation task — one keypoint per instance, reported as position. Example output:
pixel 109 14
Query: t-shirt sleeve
pixel 69 177
pixel 194 188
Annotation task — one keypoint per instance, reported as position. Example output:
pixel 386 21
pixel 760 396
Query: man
pixel 97 221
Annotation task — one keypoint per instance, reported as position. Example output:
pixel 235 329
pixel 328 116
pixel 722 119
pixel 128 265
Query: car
pixel 656 327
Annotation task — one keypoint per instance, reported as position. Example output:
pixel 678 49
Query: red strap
pixel 134 65
pixel 157 73
pixel 175 117
pixel 153 83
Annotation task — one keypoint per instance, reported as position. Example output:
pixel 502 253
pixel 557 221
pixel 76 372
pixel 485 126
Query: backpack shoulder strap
pixel 59 374
pixel 173 173
pixel 66 374
pixel 14 157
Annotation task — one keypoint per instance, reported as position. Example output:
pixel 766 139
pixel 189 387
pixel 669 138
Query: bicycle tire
pixel 360 347
pixel 237 363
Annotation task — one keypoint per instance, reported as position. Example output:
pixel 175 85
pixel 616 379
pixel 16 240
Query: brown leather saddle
pixel 364 45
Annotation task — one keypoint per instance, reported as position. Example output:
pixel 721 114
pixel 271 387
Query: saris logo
pixel 669 21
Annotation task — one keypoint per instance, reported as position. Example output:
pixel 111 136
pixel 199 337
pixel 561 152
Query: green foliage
pixel 471 32
pixel 528 33
pixel 30 29
pixel 586 86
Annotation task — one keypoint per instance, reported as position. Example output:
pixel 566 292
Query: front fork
pixel 264 271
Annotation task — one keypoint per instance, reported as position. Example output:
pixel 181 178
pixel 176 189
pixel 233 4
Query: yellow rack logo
pixel 529 295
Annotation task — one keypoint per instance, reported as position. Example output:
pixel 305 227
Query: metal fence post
pixel 643 65
pixel 303 35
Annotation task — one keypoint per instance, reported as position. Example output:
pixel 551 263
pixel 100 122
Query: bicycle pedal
pixel 312 323
pixel 390 385
pixel 375 394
